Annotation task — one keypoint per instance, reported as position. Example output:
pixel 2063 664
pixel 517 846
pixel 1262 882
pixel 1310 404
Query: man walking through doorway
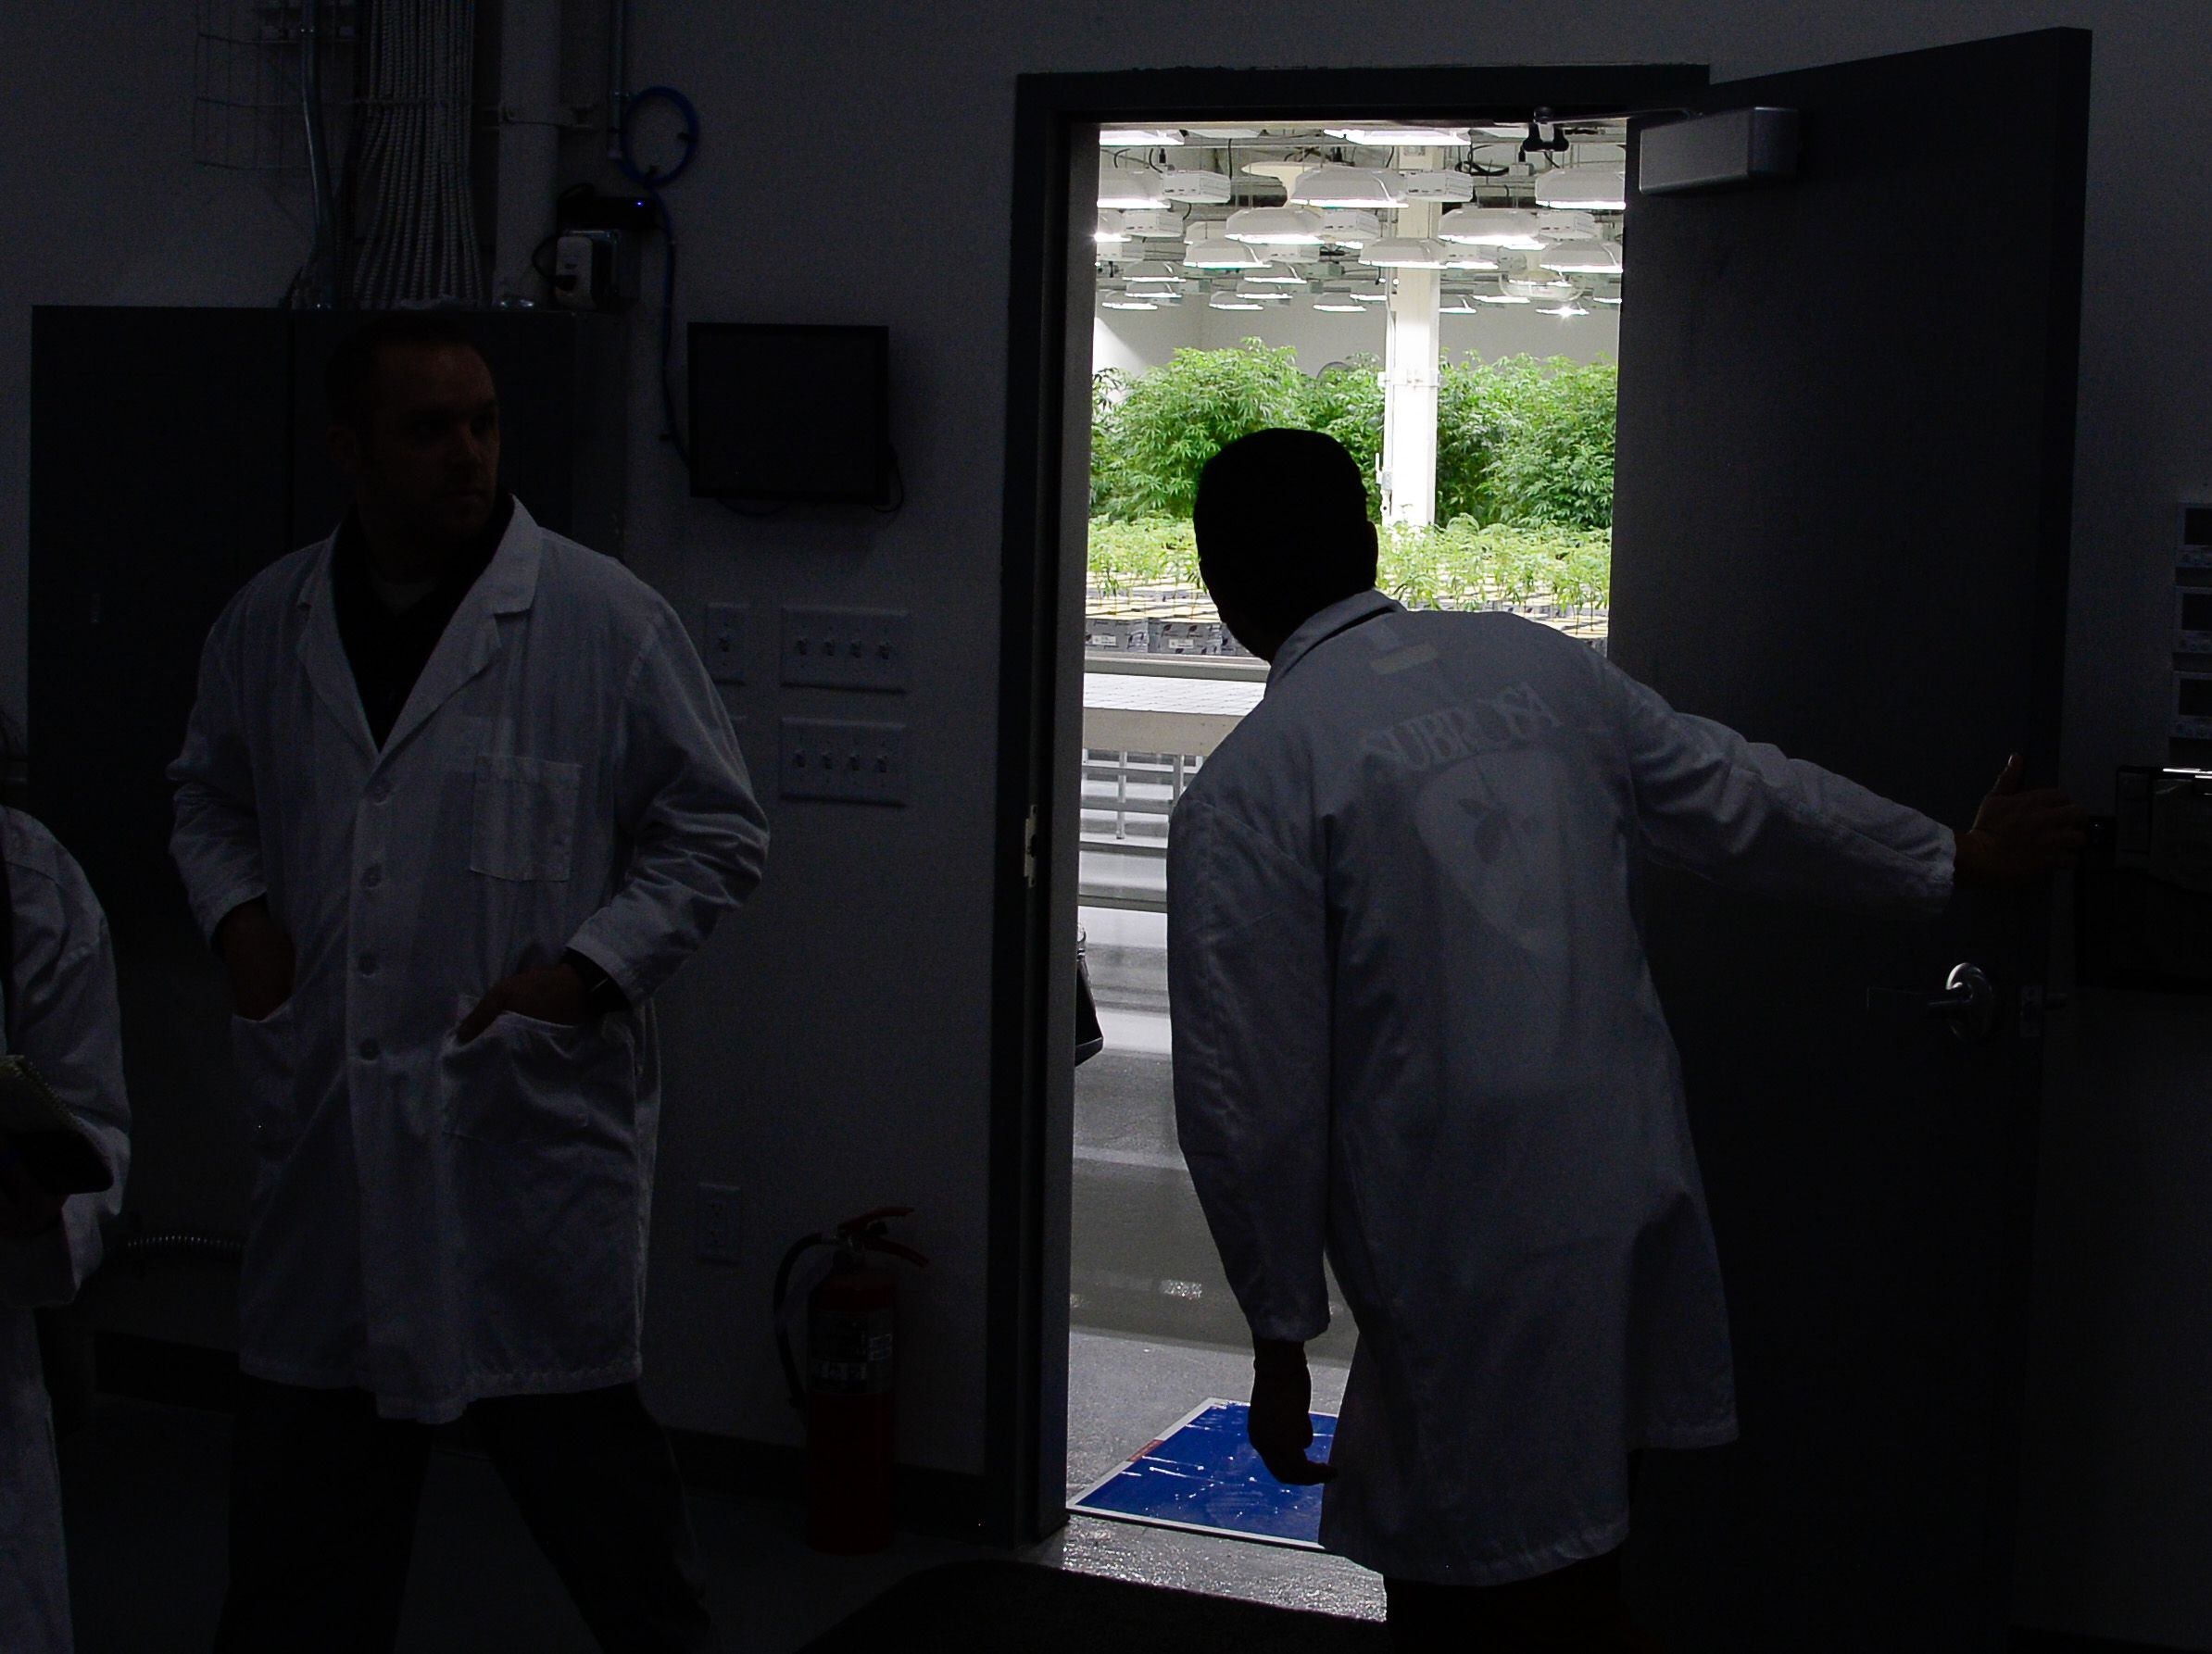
pixel 1413 1027
pixel 456 800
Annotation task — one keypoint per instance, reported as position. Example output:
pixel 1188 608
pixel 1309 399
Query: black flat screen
pixel 788 412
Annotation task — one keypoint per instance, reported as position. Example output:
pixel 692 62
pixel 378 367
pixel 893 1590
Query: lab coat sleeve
pixel 698 838
pixel 1743 815
pixel 1249 1002
pixel 69 1025
pixel 217 839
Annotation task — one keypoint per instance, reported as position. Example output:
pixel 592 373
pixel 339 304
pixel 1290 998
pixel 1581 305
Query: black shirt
pixel 388 651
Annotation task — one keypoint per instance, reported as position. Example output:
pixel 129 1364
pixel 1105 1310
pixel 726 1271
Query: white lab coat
pixel 1413 1022
pixel 431 1222
pixel 67 1023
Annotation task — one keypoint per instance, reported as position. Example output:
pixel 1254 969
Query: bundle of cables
pixel 410 166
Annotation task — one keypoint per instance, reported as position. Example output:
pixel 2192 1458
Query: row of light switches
pixel 828 648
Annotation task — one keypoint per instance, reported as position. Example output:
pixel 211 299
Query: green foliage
pixel 1518 441
pixel 1146 551
pixel 1346 400
pixel 1461 564
pixel 1554 466
pixel 1175 418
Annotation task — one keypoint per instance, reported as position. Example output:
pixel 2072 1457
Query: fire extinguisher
pixel 846 1392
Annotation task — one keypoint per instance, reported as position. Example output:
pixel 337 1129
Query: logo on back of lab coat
pixel 1515 717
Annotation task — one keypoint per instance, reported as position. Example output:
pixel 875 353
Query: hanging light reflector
pixel 1406 252
pixel 1129 186
pixel 1344 186
pixel 1592 189
pixel 1212 187
pixel 1276 227
pixel 1583 257
pixel 1208 248
pixel 1490 227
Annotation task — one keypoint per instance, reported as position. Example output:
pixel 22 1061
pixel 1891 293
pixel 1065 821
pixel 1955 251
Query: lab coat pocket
pixel 525 1081
pixel 524 817
pixel 263 1051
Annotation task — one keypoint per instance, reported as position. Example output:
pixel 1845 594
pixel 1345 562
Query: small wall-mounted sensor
pixel 1719 151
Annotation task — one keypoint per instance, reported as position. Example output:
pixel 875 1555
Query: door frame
pixel 1040 703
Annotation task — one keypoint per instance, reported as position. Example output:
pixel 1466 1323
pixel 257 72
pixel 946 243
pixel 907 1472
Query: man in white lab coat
pixel 456 800
pixel 1413 1027
pixel 57 983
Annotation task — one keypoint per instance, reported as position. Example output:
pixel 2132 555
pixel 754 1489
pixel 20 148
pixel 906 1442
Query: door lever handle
pixel 1969 1003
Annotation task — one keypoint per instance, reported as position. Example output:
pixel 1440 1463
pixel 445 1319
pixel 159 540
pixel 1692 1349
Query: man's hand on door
pixel 2020 835
pixel 1281 1423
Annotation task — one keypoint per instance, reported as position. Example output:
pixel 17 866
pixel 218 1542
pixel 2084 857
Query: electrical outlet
pixel 725 642
pixel 846 648
pixel 718 1224
pixel 836 758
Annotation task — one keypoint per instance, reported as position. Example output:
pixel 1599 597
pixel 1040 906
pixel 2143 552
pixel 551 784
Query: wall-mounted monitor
pixel 789 411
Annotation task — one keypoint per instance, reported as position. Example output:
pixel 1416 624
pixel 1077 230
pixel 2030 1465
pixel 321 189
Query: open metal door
pixel 1841 525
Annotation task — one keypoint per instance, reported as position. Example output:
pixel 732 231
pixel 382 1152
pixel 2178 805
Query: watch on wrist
pixel 600 994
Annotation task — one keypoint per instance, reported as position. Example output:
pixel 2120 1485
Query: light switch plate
pixel 724 653
pixel 843 759
pixel 846 648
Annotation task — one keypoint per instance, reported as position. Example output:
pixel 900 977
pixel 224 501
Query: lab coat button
pixel 371 1050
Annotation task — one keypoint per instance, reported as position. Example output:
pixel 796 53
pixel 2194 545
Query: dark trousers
pixel 323 1494
pixel 1574 1609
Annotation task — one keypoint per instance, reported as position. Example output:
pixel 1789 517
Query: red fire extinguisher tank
pixel 848 1393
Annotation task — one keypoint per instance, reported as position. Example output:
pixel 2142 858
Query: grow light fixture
pixel 1583 257
pixel 1469 258
pixel 1208 248
pixel 1370 295
pixel 1128 187
pixel 1566 309
pixel 1348 227
pixel 1567 226
pixel 1490 227
pixel 1211 187
pixel 1266 294
pixel 1554 289
pixel 1335 308
pixel 1602 300
pixel 1153 223
pixel 1335 185
pixel 1501 298
pixel 1135 137
pixel 1130 304
pixel 1406 137
pixel 1462 305
pixel 1229 301
pixel 1285 277
pixel 1406 252
pixel 1440 186
pixel 1276 227
pixel 1109 232
pixel 1589 188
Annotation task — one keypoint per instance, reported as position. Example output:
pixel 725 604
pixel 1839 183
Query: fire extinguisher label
pixel 850 1354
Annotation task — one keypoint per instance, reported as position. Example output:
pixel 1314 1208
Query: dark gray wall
pixel 827 1051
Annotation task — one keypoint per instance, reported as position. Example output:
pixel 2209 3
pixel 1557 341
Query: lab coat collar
pixel 507 585
pixel 1338 617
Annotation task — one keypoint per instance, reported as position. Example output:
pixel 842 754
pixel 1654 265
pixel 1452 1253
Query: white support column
pixel 1413 352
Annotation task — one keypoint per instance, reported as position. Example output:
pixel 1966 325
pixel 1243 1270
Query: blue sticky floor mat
pixel 1204 1476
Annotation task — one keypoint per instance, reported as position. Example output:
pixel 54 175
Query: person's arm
pixel 70 1026
pixel 1743 815
pixel 216 841
pixel 698 833
pixel 1249 1004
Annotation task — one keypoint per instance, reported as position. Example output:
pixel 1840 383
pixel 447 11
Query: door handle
pixel 1969 1003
